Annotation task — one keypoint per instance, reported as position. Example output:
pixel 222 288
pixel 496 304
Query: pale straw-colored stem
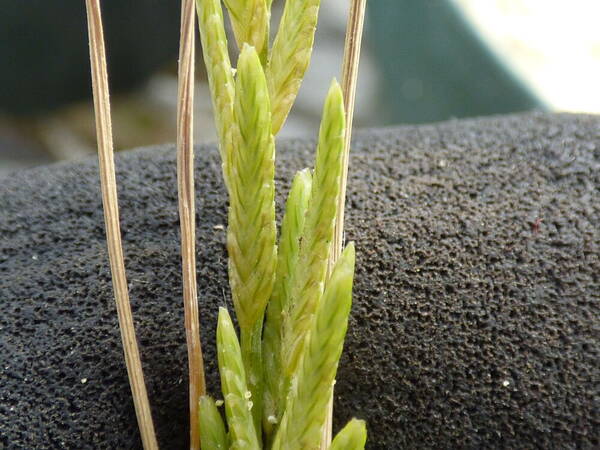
pixel 111 218
pixel 187 214
pixel 354 32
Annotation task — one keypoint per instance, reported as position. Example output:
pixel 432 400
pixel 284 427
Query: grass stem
pixel 187 214
pixel 354 32
pixel 111 218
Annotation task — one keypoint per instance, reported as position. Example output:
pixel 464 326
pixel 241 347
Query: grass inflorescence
pixel 292 300
pixel 292 294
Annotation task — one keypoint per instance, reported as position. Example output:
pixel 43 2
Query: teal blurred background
pixel 435 66
pixel 422 61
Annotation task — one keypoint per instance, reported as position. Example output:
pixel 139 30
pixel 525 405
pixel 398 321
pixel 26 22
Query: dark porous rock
pixel 476 313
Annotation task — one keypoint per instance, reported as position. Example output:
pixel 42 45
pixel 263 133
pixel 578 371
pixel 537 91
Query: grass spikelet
pixel 212 429
pixel 250 21
pixel 287 259
pixel 309 279
pixel 251 234
pixel 352 437
pixel 306 408
pixel 220 74
pixel 290 56
pixel 238 403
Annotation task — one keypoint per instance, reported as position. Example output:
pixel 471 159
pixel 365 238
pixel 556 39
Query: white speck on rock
pixel 83 380
pixel 505 383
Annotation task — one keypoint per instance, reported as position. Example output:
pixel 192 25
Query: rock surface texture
pixel 476 312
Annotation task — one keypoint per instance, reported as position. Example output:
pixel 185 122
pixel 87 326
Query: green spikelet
pixel 251 234
pixel 250 22
pixel 212 429
pixel 306 407
pixel 220 74
pixel 290 56
pixel 309 278
pixel 238 402
pixel 287 258
pixel 352 437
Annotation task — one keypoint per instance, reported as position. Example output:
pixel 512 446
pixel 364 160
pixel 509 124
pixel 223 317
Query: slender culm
pixel 354 31
pixel 110 206
pixel 187 214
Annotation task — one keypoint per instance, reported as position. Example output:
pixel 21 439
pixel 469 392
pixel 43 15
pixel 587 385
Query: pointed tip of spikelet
pixel 335 90
pixel 248 57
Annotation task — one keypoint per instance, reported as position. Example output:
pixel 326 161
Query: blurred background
pixel 423 61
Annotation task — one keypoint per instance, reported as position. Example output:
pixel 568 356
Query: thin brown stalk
pixel 111 218
pixel 187 214
pixel 354 32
